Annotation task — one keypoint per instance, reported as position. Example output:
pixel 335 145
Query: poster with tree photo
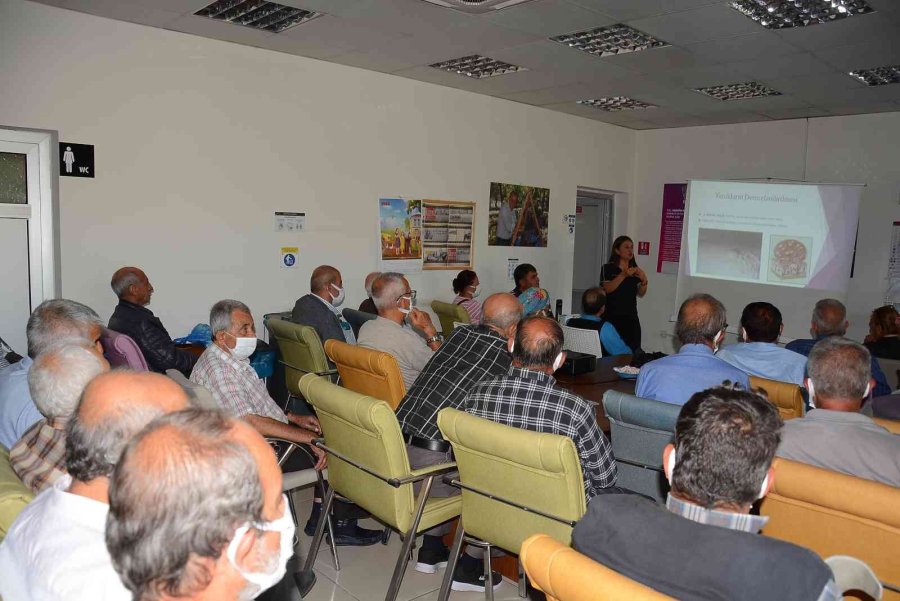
pixel 518 215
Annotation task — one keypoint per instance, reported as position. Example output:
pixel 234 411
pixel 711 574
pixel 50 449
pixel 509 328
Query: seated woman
pixel 465 285
pixel 883 340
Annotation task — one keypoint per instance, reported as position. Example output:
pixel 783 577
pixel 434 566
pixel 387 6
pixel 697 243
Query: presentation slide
pixel 796 235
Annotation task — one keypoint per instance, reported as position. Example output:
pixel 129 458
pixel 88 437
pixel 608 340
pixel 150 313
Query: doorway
pixel 28 241
pixel 593 237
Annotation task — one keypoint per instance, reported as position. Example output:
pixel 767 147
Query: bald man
pixel 132 318
pixel 368 305
pixel 182 461
pixel 319 308
pixel 700 329
pixel 56 548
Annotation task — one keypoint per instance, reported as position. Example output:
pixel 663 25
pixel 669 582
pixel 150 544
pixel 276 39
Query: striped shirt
pixel 39 457
pixel 531 400
pixel 235 385
pixel 472 307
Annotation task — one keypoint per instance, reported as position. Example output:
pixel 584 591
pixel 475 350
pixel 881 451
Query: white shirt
pixel 56 549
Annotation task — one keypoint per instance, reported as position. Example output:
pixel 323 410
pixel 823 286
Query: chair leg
pixel 409 542
pixel 330 532
pixel 320 529
pixel 523 582
pixel 488 574
pixel 452 561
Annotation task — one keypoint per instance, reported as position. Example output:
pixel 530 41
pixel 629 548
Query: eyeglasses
pixel 411 294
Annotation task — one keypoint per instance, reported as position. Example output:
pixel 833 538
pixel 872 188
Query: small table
pixel 592 385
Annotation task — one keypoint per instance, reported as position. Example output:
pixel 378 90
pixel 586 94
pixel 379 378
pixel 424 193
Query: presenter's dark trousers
pixel 629 328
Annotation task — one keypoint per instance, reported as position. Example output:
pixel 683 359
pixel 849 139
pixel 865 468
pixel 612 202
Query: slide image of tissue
pixel 788 259
pixel 729 253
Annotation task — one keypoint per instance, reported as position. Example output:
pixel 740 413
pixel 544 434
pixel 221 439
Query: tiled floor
pixel 366 571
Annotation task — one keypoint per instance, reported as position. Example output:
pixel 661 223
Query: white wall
pixel 199 141
pixel 853 149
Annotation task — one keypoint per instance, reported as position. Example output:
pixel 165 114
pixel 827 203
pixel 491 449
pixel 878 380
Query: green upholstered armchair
pixel 14 495
pixel 515 483
pixel 368 465
pixel 301 352
pixel 449 314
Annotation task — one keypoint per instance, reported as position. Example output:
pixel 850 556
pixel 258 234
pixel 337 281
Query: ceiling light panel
pixel 616 103
pixel 478 66
pixel 738 91
pixel 477 6
pixel 878 76
pixel 610 40
pixel 779 14
pixel 257 14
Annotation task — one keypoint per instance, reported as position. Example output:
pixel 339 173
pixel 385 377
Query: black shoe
pixel 432 560
pixel 313 521
pixel 347 533
pixel 470 577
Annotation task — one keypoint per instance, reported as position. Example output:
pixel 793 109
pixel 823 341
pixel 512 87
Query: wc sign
pixel 76 160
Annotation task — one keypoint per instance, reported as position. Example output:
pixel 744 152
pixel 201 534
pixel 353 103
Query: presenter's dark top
pixel 623 300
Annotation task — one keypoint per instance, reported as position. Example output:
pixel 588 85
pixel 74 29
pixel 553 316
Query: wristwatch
pixel 435 338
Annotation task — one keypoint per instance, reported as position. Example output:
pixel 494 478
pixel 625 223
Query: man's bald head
pixel 700 319
pixel 114 407
pixel 538 343
pixel 502 312
pixel 131 284
pixel 370 279
pixel 829 318
pixel 322 278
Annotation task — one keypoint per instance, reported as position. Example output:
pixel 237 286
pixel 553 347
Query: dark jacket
pixel 310 310
pixel 368 306
pixel 140 324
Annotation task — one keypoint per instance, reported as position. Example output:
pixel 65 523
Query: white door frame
pixel 42 211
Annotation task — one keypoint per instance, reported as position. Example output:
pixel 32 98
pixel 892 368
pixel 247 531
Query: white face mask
pixel 243 347
pixel 337 299
pixel 475 291
pixel 261 581
pixel 412 304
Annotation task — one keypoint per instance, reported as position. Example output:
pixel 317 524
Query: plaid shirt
pixel 235 385
pixel 532 400
pixel 470 355
pixel 39 457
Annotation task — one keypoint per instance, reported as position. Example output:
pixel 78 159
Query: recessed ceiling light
pixel 477 66
pixel 778 14
pixel 258 14
pixel 476 6
pixel 610 40
pixel 738 91
pixel 616 103
pixel 878 76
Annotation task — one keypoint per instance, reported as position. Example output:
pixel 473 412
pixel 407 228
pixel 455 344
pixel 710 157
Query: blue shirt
pixel 766 360
pixel 805 345
pixel 610 338
pixel 675 379
pixel 17 411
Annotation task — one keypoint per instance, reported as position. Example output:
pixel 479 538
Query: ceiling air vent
pixel 257 14
pixel 477 6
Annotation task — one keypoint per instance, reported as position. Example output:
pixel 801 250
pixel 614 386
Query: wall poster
pixel 674 196
pixel 447 234
pixel 399 225
pixel 518 215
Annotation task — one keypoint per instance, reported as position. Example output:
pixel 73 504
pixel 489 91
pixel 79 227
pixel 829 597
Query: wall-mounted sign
pixel 286 221
pixel 643 248
pixel 76 160
pixel 289 255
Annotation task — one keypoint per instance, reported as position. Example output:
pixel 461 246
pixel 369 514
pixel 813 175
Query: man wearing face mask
pixel 390 332
pixel 529 398
pixel 700 329
pixel 159 501
pixel 319 309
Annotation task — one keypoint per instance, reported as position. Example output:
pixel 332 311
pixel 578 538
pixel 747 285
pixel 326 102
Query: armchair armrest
pixel 414 476
pixel 289 448
pixel 326 372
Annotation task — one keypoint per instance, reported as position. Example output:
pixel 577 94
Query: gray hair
pixel 58 377
pixel 696 325
pixel 840 369
pixel 57 321
pixel 220 314
pixel 386 289
pixel 504 318
pixel 370 279
pixel 830 317
pixel 171 506
pixel 123 279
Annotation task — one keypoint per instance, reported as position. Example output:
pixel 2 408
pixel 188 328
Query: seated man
pixel 225 370
pixel 389 331
pixel 704 543
pixel 593 304
pixel 526 277
pixel 51 323
pixel 829 318
pixel 759 353
pixel 834 435
pixel 319 309
pixel 132 318
pixel 674 379
pixel 470 355
pixel 56 380
pixel 368 305
pixel 56 549
pixel 528 397
pixel 247 534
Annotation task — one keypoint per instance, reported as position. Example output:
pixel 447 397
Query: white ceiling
pixel 711 44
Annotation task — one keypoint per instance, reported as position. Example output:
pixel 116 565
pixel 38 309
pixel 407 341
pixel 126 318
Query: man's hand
pixel 321 458
pixel 307 422
pixel 422 320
